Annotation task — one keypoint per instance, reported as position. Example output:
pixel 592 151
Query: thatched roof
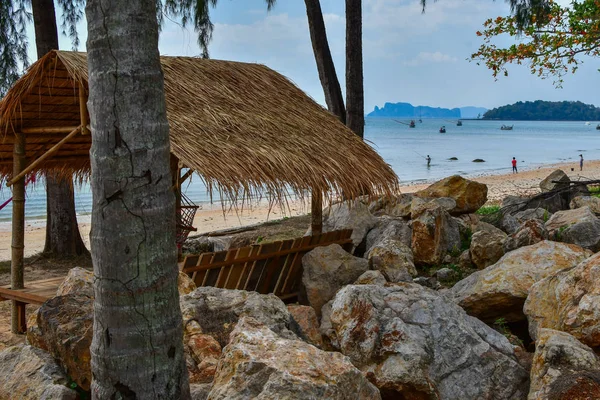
pixel 242 127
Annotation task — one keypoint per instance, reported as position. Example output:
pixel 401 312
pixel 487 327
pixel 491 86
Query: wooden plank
pixel 271 265
pixel 309 246
pixel 247 266
pixel 296 264
pixel 198 277
pixel 275 269
pixel 236 269
pixel 224 271
pixel 190 261
pixel 22 296
pixel 285 268
pixel 210 278
pixel 51 129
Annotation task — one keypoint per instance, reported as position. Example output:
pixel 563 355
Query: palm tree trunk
pixel 137 347
pixel 325 65
pixel 62 233
pixel 355 96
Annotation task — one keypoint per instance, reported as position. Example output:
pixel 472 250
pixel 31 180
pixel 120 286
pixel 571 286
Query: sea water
pixel 533 143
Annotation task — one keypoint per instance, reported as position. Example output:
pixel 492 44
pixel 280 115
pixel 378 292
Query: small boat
pixel 459 123
pixel 598 127
pixel 506 127
pixel 443 129
pixel 412 124
pixel 588 123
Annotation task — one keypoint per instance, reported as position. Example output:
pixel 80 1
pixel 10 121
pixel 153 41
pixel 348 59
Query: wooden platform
pixel 35 292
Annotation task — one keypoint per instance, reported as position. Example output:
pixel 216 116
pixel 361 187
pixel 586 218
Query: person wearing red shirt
pixel 514 165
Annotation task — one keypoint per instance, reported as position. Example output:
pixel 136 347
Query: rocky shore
pixel 437 300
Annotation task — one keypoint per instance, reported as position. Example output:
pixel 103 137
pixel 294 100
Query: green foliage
pixel 551 38
pixel 487 210
pixel 594 191
pixel 14 18
pixel 259 239
pixel 465 240
pixel 545 110
pixel 546 216
pixel 502 326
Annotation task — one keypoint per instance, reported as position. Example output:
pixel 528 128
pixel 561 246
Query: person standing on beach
pixel 428 161
pixel 514 165
pixel 581 162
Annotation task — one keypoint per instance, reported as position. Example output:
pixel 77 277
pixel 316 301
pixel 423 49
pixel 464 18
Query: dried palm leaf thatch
pixel 244 128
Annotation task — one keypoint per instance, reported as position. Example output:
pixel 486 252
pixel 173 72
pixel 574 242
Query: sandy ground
pixel 214 217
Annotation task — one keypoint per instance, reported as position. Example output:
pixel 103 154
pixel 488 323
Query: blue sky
pixel 408 56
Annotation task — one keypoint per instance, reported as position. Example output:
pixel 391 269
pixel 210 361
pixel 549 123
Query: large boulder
pixel 215 312
pixel 202 353
pixel 371 278
pixel 389 228
pixel 64 329
pixel 434 234
pixel 306 319
pixel 469 195
pixel 487 246
pixel 531 232
pixel 349 215
pixel 556 180
pixel 78 280
pixel 420 204
pixel 568 301
pixel 258 364
pixel 28 373
pixel 579 226
pixel 394 259
pixel 592 202
pixel 327 269
pixel 396 206
pixel 563 368
pixel 414 344
pixel 500 290
pixel 538 213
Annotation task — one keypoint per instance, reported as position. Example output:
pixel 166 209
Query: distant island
pixel 407 110
pixel 545 111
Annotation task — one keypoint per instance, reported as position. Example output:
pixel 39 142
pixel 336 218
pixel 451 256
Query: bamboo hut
pixel 243 128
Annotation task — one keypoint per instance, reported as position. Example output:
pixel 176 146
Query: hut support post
pixel 316 212
pixel 18 233
pixel 83 112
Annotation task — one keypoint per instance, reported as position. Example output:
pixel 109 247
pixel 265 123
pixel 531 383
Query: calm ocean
pixel 532 143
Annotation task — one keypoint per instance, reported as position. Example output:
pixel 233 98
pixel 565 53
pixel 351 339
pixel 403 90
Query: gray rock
pixel 394 259
pixel 562 180
pixel 349 215
pixel 327 269
pixel 434 234
pixel 500 290
pixel 420 204
pixel 445 274
pixel 469 195
pixel 28 373
pixel 539 214
pixel 389 228
pixel 563 368
pixel 78 280
pixel 431 283
pixel 217 311
pixel 487 246
pixel 579 226
pixel 63 328
pixel 371 278
pixel 592 202
pixel 397 206
pixel 199 391
pixel 205 244
pixel 257 364
pixel 531 232
pixel 464 261
pixel 413 343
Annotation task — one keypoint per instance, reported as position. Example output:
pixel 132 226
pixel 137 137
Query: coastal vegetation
pixel 545 111
pixel 550 37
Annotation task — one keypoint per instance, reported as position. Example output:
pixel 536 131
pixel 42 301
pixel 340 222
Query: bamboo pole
pixel 47 154
pixel 316 212
pixel 18 233
pixel 83 112
pixel 49 129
